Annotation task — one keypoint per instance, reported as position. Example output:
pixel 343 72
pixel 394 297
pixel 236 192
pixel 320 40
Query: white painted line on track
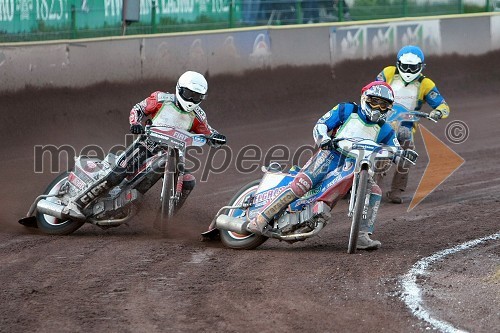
pixel 412 294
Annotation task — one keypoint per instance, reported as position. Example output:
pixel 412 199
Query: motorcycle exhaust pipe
pixel 230 223
pixel 240 226
pixel 59 211
pixel 51 208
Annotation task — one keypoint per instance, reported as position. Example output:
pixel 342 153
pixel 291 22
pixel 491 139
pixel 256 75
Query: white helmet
pixel 191 90
pixel 410 62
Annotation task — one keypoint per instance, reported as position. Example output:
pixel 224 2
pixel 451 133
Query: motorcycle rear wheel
pixel 50 224
pixel 358 210
pixel 232 239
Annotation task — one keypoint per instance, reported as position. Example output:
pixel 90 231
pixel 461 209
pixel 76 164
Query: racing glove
pixel 326 144
pixel 216 140
pixel 436 114
pixel 136 129
pixel 408 154
pixel 329 144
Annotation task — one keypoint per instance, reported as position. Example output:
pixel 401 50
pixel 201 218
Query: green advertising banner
pixel 21 16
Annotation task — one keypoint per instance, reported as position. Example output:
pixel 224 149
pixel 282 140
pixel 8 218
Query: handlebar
pixel 419 114
pixel 401 114
pixel 422 115
pixel 370 148
pixel 211 138
pixel 168 133
pixel 147 127
pixel 174 137
pixel 363 144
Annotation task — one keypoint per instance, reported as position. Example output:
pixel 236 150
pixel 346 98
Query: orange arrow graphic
pixel 443 161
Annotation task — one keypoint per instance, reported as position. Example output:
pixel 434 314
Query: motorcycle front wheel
pixel 235 240
pixel 168 188
pixel 50 224
pixel 358 210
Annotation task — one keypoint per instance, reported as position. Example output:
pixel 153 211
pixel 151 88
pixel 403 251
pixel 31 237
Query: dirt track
pixel 133 279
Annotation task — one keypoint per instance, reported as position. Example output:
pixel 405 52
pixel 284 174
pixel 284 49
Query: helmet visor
pixel 409 68
pixel 380 104
pixel 191 96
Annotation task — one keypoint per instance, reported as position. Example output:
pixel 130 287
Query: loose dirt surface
pixel 135 279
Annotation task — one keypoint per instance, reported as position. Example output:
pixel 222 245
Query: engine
pixel 110 205
pixel 304 220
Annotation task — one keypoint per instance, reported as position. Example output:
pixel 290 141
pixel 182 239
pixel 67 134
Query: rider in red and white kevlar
pixel 181 110
pixel 345 120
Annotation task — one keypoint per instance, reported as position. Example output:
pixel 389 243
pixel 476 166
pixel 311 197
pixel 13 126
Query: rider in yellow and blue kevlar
pixel 345 120
pixel 411 89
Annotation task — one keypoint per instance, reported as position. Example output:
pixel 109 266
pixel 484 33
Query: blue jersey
pixel 346 121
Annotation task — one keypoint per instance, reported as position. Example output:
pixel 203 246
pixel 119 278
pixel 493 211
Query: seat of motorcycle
pixel 276 167
pixel 272 167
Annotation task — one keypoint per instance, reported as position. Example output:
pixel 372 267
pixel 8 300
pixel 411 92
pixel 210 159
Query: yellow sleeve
pixel 387 74
pixel 430 94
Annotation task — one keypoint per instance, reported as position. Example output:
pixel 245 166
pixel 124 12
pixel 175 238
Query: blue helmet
pixel 410 62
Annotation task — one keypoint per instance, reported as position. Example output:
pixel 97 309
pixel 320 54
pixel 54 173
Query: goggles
pixel 409 68
pixel 379 103
pixel 191 96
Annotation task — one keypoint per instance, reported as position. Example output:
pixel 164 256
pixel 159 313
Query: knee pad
pixel 405 136
pixel 301 184
pixel 376 189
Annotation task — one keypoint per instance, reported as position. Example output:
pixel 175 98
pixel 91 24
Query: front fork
pixel 179 168
pixel 354 189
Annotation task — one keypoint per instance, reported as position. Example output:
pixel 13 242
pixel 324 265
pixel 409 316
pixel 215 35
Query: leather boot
pixel 394 196
pixel 366 243
pixel 259 224
pixel 399 182
pixel 367 225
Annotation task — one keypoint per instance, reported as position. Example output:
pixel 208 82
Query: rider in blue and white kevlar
pixel 345 120
pixel 411 89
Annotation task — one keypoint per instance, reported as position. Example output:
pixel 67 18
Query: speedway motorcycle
pixel 400 116
pixel 308 215
pixel 55 212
